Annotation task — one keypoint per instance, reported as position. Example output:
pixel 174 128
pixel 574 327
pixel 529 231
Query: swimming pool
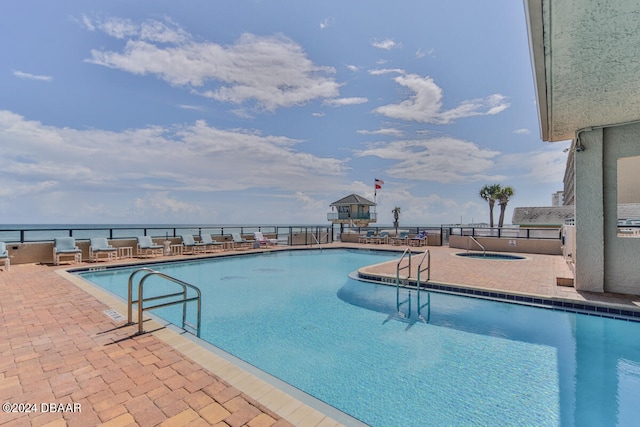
pixel 298 316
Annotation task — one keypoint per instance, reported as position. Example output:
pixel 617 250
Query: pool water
pixel 298 316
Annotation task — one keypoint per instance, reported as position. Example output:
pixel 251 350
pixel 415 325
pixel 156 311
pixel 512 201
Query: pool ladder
pixel 426 256
pixel 187 326
pixel 484 252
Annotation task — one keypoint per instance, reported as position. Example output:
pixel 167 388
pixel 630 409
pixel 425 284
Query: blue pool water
pixel 299 317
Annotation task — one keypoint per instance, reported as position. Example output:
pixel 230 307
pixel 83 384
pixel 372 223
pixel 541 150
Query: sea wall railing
pixel 307 234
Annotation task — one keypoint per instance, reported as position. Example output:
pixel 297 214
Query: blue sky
pixel 220 112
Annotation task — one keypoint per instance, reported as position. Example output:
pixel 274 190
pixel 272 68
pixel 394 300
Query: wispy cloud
pixel 340 102
pixel 425 105
pixel 327 22
pixel 189 158
pixel 270 71
pixel 444 160
pixel 388 132
pixel 29 76
pixel 386 44
pixel 522 131
pixel 421 53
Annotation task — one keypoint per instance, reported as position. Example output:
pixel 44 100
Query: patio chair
pixel 99 246
pixel 66 247
pixel 146 247
pixel 4 256
pixel 401 239
pixel 419 239
pixel 240 242
pixel 190 246
pixel 259 237
pixel 210 243
pixel 382 238
pixel 367 238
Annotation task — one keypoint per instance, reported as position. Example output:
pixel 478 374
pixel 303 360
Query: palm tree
pixel 504 194
pixel 490 194
pixel 396 215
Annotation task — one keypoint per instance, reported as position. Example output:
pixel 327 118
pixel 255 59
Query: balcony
pixel 345 216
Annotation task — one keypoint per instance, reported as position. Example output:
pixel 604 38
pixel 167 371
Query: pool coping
pixel 592 308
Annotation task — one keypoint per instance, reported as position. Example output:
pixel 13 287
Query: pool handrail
pixel 184 300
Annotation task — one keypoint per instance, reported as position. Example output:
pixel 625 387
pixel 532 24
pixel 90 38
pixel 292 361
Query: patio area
pixel 58 346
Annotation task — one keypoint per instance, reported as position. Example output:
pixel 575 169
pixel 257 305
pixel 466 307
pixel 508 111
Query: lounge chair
pixel 240 242
pixel 210 243
pixel 190 246
pixel 401 239
pixel 4 256
pixel 367 238
pixel 66 247
pixel 146 247
pixel 382 238
pixel 99 246
pixel 419 239
pixel 263 240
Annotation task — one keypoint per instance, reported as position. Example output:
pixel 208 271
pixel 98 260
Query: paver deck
pixel 57 346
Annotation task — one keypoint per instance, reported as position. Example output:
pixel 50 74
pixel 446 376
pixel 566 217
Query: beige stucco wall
pixel 494 244
pixel 604 262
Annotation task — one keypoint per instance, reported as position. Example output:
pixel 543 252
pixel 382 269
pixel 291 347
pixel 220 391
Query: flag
pixel 379 183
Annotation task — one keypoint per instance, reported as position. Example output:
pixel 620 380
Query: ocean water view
pixel 12 233
pixel 47 232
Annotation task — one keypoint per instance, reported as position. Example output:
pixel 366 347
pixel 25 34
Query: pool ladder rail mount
pixel 187 326
pixel 426 256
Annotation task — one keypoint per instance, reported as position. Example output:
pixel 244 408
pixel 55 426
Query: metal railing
pixel 470 238
pixel 36 234
pixel 425 257
pixel 141 300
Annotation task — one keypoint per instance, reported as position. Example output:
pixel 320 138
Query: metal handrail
pixel 484 252
pixel 141 300
pixel 426 255
pixel 398 268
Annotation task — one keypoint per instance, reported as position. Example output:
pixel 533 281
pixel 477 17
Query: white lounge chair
pixel 263 240
pixel 99 246
pixel 146 247
pixel 190 246
pixel 367 238
pixel 240 242
pixel 211 244
pixel 66 247
pixel 4 256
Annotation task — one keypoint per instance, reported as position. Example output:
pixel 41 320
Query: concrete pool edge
pixel 592 308
pixel 288 402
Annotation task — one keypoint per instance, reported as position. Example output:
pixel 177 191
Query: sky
pixel 266 111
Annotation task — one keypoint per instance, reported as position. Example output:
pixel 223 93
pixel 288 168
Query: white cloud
pixel 444 160
pixel 425 105
pixel 383 71
pixel 339 102
pixel 522 131
pixel 352 68
pixel 537 166
pixel 420 53
pixel 327 22
pixel 271 71
pixel 29 76
pixel 189 158
pixel 387 131
pixel 386 44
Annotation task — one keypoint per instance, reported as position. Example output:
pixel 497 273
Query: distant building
pixel 542 217
pixel 353 210
pixel 557 198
